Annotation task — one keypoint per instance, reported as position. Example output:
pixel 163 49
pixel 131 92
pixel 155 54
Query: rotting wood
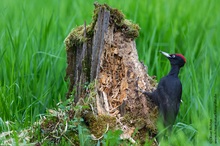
pixel 98 40
pixel 105 51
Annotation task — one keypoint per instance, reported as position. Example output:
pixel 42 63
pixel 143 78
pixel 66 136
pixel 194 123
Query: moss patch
pixel 117 18
pixel 98 125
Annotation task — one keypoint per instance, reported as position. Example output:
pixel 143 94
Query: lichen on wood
pixel 105 51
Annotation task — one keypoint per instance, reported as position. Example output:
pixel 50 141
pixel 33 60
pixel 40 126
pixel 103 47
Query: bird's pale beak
pixel 165 54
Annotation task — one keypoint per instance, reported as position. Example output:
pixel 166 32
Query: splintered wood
pixel 120 74
pixel 120 71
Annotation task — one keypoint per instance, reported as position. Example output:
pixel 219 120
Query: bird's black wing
pixel 169 95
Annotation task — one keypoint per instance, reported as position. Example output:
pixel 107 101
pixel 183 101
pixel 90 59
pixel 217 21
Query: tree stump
pixel 104 52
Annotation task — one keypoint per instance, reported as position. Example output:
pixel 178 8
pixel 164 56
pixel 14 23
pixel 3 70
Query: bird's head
pixel 175 59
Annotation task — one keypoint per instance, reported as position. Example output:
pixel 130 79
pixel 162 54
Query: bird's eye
pixel 173 56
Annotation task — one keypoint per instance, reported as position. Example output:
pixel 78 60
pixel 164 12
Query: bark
pixel 105 51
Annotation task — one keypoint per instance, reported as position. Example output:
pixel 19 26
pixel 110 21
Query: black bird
pixel 168 93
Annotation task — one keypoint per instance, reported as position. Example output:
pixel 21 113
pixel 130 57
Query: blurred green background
pixel 33 57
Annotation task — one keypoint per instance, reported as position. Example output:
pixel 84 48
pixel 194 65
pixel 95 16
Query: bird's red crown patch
pixel 180 55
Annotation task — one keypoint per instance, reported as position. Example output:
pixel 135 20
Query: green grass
pixel 33 57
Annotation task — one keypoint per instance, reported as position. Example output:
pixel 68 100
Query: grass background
pixel 33 57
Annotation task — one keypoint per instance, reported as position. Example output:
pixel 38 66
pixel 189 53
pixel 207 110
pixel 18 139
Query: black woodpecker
pixel 169 90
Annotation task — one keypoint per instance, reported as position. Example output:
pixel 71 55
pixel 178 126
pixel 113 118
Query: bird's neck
pixel 174 70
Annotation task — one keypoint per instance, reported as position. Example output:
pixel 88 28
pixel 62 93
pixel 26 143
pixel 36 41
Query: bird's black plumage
pixel 168 93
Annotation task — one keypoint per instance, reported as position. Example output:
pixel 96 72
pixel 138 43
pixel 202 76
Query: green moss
pixel 139 121
pixel 76 36
pixel 99 124
pixel 86 67
pixel 116 16
pixel 129 117
pixel 130 29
